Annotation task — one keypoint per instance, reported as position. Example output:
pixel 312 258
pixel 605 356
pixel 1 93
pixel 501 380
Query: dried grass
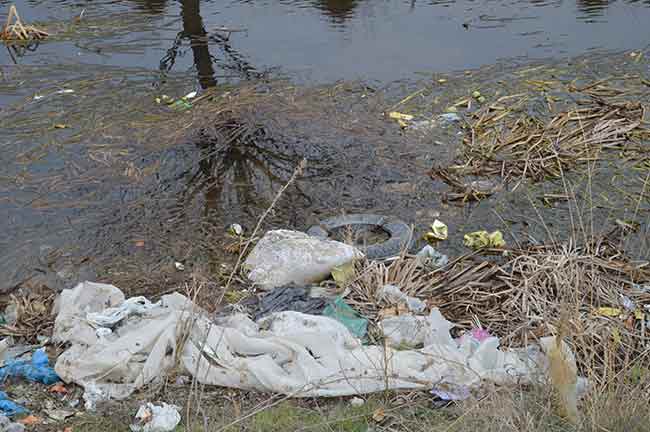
pixel 15 30
pixel 520 297
pixel 364 291
pixel 507 139
pixel 617 407
pixel 33 317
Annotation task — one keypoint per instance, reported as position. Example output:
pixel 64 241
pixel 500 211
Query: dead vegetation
pixel 521 294
pixel 510 143
pixel 32 317
pixel 15 30
pixel 539 136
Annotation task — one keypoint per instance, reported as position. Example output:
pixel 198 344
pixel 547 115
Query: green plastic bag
pixel 343 313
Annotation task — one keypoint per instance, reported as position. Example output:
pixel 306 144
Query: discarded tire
pixel 399 232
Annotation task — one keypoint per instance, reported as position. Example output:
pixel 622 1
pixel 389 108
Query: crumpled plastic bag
pixel 156 418
pixel 132 355
pixel 483 239
pixel 73 305
pixel 8 407
pixel 290 297
pixel 350 318
pixel 412 331
pixel 37 369
pixel 563 374
pixel 438 231
pixel 393 294
pixel 431 258
pixel 108 318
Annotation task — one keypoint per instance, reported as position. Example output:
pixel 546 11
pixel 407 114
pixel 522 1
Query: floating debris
pixel 512 137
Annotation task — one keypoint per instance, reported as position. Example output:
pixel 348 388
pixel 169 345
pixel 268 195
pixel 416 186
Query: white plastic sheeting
pixel 286 352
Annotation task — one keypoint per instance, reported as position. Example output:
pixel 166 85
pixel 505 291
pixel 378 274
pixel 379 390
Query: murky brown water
pixel 111 181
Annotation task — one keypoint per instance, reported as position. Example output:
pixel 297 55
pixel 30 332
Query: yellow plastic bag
pixel 439 231
pixel 400 116
pixel 482 239
pixel 344 273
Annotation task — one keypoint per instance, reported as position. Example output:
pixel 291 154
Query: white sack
pixel 282 257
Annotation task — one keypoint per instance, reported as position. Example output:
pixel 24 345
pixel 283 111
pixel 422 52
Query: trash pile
pixel 378 325
pixel 118 345
pixel 116 350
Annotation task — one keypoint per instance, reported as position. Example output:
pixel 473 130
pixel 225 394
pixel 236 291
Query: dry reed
pixel 510 139
pixel 15 30
pixel 521 296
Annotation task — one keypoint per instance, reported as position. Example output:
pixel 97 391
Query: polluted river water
pixel 98 175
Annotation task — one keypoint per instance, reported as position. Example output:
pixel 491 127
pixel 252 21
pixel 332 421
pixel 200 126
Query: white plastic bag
pixel 154 418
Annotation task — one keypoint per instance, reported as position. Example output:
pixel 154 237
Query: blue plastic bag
pixel 9 408
pixel 37 370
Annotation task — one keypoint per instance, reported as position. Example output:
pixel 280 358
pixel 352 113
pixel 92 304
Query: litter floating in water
pixel 63 91
pixel 401 118
pixel 180 104
pixel 450 117
pixel 482 239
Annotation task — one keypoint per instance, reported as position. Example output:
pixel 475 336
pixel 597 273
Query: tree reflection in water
pixel 240 166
